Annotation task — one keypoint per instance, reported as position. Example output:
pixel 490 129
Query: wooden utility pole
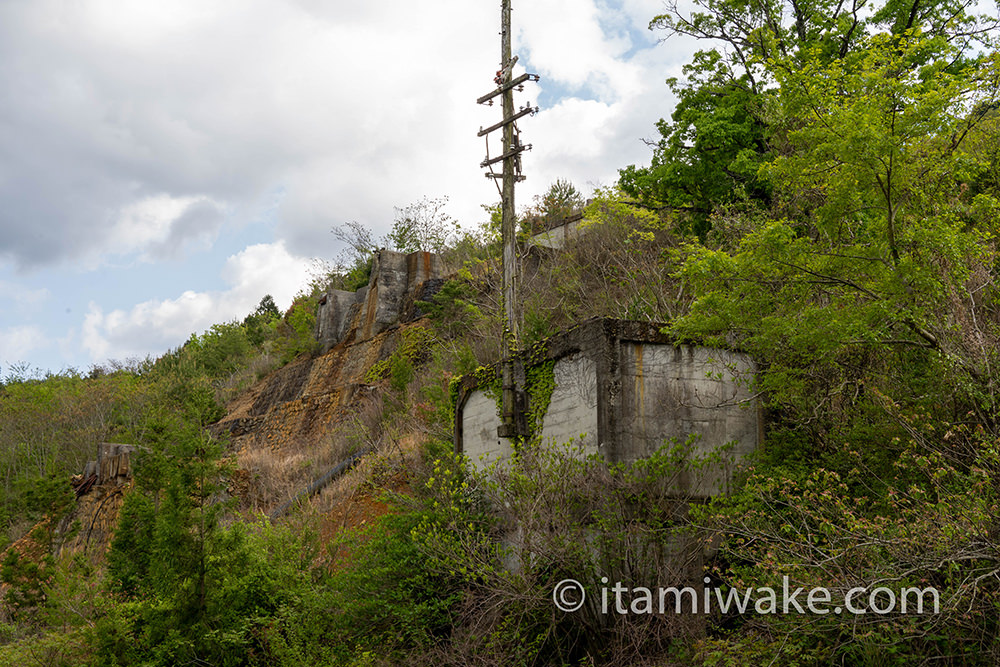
pixel 512 412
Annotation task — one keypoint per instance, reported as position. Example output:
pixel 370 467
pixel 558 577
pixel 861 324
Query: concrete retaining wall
pixel 397 281
pixel 558 236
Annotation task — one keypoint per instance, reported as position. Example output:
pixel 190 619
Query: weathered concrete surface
pixel 672 393
pixel 337 309
pixel 572 411
pixel 623 389
pixel 557 236
pixel 397 281
pixel 571 414
pixel 480 423
pixel 113 464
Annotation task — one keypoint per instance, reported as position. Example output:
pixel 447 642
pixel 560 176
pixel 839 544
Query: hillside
pixel 812 254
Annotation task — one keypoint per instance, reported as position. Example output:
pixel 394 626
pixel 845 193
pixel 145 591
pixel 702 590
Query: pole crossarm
pixel 507 121
pixel 507 86
pixel 510 153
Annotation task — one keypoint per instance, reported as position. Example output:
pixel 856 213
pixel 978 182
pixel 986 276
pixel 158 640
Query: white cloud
pixel 264 269
pixel 587 51
pixel 112 105
pixel 118 112
pixel 614 72
pixel 160 226
pixel 134 132
pixel 24 298
pixel 18 341
pixel 152 327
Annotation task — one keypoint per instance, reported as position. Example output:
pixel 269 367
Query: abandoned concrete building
pixel 623 389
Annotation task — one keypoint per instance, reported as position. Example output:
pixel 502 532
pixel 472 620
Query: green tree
pixel 423 225
pixel 866 293
pixel 188 583
pixel 882 230
pixel 708 155
pixel 559 202
pixel 25 579
pixel 221 350
pixel 259 323
pixel 297 328
pixel 49 427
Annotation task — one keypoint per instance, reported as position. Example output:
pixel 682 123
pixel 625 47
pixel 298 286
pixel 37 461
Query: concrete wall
pixel 572 410
pixel 675 392
pixel 559 235
pixel 113 465
pixel 336 310
pixel 397 281
pixel 480 422
pixel 628 390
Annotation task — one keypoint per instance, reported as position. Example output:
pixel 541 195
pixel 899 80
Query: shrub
pixel 387 597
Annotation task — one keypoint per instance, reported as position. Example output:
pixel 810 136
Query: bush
pixel 512 532
pixel 296 331
pixel 387 597
pixel 26 578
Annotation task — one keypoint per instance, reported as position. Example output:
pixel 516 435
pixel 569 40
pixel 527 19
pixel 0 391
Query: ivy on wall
pixel 539 385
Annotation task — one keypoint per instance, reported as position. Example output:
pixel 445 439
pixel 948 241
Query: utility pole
pixel 512 411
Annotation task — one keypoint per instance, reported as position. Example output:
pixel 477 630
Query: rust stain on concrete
pixel 640 383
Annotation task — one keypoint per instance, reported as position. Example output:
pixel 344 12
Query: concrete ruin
pixel 398 280
pixel 113 466
pixel 622 390
pixel 559 234
pixel 87 529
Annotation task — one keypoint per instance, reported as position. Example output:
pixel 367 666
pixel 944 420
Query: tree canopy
pixel 721 130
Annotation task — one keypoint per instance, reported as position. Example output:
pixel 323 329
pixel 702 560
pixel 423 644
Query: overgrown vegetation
pixel 825 198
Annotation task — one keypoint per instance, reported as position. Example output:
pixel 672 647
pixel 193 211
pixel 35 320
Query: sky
pixel 164 165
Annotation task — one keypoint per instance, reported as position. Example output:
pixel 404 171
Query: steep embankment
pixel 295 423
pixel 298 422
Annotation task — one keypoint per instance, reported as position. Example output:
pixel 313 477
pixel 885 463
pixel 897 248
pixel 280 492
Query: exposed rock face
pixel 286 422
pixel 303 400
pixel 396 283
pixel 88 528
